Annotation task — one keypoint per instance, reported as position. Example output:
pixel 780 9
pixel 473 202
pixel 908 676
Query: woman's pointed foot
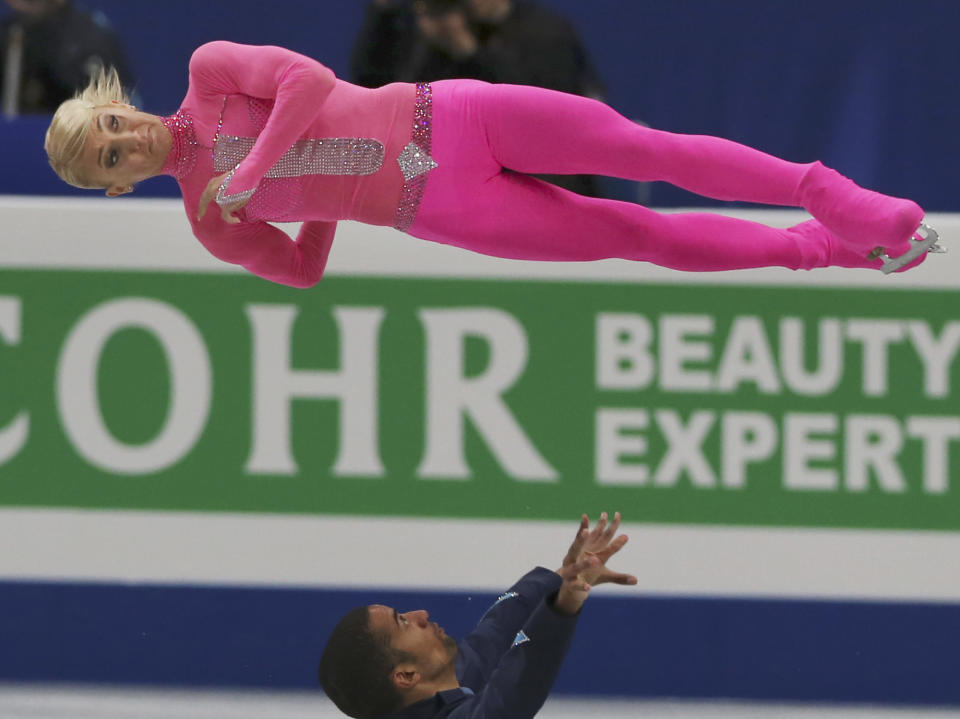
pixel 859 217
pixel 820 247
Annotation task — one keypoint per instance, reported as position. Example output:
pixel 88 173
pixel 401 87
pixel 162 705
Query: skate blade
pixel 924 240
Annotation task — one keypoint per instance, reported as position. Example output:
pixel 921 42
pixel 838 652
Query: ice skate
pixel 924 240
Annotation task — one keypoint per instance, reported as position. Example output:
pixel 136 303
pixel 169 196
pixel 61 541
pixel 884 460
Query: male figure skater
pixel 379 662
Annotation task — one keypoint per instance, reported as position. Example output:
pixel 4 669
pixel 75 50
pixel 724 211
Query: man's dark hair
pixel 354 668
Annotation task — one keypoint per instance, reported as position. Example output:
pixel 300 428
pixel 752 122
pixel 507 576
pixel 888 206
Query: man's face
pixel 414 634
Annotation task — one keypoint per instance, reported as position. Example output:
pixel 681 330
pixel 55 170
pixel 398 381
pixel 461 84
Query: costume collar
pixel 183 151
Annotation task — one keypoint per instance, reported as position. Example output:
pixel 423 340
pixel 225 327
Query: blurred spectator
pixel 512 41
pixel 383 47
pixel 48 49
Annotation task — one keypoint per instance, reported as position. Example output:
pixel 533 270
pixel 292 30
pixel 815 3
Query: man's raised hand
pixel 584 565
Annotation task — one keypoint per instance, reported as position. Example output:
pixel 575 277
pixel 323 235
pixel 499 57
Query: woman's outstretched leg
pixel 524 218
pixel 534 130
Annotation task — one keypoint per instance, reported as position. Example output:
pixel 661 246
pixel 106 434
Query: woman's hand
pixel 584 566
pixel 210 194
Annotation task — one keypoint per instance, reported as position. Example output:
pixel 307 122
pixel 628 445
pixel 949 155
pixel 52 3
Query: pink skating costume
pixel 302 145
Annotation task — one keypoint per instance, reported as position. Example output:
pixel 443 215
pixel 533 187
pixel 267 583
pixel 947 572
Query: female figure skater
pixel 273 136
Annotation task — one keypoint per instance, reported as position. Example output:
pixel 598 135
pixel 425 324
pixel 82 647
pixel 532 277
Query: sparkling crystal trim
pixel 324 156
pixel 224 199
pixel 183 151
pixel 415 160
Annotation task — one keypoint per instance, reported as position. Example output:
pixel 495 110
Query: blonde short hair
pixel 71 122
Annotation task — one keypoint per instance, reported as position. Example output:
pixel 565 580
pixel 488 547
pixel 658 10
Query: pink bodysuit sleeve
pixel 297 85
pixel 268 252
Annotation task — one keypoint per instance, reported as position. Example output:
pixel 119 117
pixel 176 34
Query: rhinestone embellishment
pixel 415 160
pixel 310 156
pixel 223 199
pixel 183 150
pixel 325 156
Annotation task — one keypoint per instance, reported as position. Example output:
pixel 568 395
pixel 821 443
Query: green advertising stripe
pixel 479 398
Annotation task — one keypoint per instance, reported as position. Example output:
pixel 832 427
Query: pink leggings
pixel 469 201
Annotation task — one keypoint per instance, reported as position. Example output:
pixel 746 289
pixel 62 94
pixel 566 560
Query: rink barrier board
pixel 783 650
pixel 862 572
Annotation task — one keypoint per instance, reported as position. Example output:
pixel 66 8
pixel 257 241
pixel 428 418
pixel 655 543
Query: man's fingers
pixel 609 530
pixel 586 562
pixel 600 540
pixel 617 544
pixel 578 543
pixel 576 547
pixel 608 577
pixel 614 526
pixel 602 523
pixel 612 548
pixel 598 528
pixel 582 564
pixel 584 525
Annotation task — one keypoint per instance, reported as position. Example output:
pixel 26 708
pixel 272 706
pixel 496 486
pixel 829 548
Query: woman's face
pixel 123 147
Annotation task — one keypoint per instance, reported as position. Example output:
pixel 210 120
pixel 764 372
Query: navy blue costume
pixel 508 663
